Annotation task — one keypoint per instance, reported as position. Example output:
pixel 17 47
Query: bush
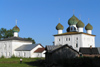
pixel 2 56
pixel 13 56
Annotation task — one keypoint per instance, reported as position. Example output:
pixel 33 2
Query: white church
pixel 20 47
pixel 75 36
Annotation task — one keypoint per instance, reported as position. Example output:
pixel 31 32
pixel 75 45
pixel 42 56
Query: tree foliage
pixel 33 41
pixel 4 33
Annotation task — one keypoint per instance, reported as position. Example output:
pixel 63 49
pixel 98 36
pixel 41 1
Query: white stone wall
pixel 39 54
pixel 6 48
pixel 89 31
pixel 71 40
pixel 32 51
pixel 80 29
pixel 76 40
pixel 25 54
pixel 17 43
pixel 88 41
pixel 60 31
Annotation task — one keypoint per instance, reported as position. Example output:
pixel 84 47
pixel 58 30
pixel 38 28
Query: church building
pixel 75 36
pixel 20 47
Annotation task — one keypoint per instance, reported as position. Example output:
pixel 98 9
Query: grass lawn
pixel 27 62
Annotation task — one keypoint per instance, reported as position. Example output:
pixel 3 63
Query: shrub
pixel 13 56
pixel 2 56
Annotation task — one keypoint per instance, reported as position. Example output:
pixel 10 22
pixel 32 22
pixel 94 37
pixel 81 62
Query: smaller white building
pixel 20 47
pixel 30 50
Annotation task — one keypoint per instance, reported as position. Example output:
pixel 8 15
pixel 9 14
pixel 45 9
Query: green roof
pixel 80 24
pixel 16 29
pixel 59 27
pixel 88 27
pixel 73 20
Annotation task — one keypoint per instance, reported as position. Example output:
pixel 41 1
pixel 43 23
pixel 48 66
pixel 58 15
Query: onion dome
pixel 73 20
pixel 88 27
pixel 80 24
pixel 59 27
pixel 16 29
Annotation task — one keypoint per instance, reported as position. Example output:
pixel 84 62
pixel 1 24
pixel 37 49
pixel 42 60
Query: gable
pixel 59 47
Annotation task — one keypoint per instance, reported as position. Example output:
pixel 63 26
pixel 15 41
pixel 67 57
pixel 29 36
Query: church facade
pixel 75 36
pixel 20 47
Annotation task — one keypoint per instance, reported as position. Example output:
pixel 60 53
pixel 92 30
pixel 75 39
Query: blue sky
pixel 38 18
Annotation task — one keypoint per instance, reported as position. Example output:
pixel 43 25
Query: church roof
pixel 80 24
pixel 54 48
pixel 73 20
pixel 72 33
pixel 16 29
pixel 88 27
pixel 59 27
pixel 26 47
pixel 15 38
pixel 93 50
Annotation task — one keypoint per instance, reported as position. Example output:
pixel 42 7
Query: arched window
pixel 71 28
pixel 74 28
pixel 69 39
pixel 59 39
pixel 76 38
pixel 76 44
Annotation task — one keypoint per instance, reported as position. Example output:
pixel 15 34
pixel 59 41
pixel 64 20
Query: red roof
pixel 40 50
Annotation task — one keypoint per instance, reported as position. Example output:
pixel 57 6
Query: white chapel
pixel 75 36
pixel 20 47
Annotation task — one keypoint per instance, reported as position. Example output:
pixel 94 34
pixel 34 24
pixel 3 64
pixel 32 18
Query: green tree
pixel 33 41
pixel 4 33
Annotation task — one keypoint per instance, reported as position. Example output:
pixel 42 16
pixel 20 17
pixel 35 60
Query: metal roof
pixel 53 48
pixel 93 50
pixel 26 47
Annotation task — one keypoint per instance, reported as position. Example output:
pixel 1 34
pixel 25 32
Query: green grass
pixel 27 62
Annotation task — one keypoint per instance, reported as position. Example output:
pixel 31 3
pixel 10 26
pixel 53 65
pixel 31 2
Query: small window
pixel 71 28
pixel 74 28
pixel 69 39
pixel 59 39
pixel 66 39
pixel 76 44
pixel 77 38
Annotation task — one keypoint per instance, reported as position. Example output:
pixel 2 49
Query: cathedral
pixel 75 36
pixel 20 47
